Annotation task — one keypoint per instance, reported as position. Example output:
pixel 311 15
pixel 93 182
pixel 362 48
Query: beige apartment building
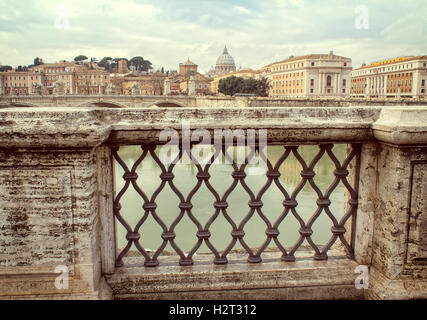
pixel 403 77
pixel 72 78
pixel 20 83
pixel 311 75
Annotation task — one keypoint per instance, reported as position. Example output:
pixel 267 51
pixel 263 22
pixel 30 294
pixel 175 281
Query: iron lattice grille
pixel 255 204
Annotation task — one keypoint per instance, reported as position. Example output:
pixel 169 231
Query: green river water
pixel 185 180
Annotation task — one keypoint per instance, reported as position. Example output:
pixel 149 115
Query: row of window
pixel 289 75
pixel 384 69
pixel 296 65
pixel 23 78
pixel 286 91
pixel 285 83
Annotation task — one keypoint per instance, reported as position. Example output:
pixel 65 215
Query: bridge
pixel 146 101
pixel 60 202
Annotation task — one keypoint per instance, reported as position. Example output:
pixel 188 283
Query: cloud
pixel 167 32
pixel 242 9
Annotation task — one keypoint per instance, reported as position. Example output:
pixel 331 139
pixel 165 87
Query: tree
pixel 38 61
pixel 232 85
pixel 80 58
pixel 104 62
pixel 5 68
pixel 139 63
pixel 21 68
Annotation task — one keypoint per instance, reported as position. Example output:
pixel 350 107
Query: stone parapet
pixel 56 190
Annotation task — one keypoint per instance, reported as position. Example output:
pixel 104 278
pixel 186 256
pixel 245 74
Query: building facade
pixel 309 76
pixel 403 77
pixel 138 83
pixel 188 71
pixel 21 83
pixel 66 77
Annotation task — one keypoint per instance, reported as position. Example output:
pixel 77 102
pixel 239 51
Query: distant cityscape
pixel 313 75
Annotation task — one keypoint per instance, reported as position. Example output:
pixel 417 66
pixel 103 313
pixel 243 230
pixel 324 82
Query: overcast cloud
pixel 166 32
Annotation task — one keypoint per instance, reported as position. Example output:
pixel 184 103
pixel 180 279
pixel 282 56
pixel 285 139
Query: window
pixel 345 64
pixel 343 90
pixel 311 90
pixel 312 82
pixel 312 64
pixel 328 81
pixel 423 83
pixel 344 82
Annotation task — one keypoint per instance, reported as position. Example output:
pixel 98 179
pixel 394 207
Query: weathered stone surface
pixel 143 101
pixel 35 203
pixel 56 193
pixel 417 233
pixel 402 125
pixel 302 279
pixel 48 217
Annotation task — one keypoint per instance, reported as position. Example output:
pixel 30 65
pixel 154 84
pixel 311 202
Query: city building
pixel 20 83
pixel 180 82
pixel 309 76
pixel 404 77
pixel 138 83
pixel 58 72
pixel 122 66
pixel 243 73
pixel 62 77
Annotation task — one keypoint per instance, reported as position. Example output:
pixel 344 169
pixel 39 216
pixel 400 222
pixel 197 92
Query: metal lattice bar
pixel 255 204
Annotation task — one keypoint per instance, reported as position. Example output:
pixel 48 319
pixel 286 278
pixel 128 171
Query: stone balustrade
pixel 56 197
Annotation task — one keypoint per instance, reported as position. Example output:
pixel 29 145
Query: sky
pixel 167 32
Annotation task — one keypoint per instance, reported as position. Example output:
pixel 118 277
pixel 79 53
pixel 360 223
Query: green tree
pixel 80 58
pixel 5 68
pixel 37 61
pixel 232 85
pixel 104 62
pixel 139 63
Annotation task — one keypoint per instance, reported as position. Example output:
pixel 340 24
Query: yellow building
pixel 398 77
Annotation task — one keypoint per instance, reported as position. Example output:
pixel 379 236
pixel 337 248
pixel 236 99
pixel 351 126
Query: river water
pixel 185 180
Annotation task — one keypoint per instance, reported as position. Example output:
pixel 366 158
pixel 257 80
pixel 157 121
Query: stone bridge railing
pixel 57 215
pixel 145 101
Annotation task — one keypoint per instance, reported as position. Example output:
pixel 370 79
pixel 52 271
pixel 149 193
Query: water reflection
pixel 221 179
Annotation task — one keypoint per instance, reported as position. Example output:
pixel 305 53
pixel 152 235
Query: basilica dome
pixel 225 58
pixel 225 63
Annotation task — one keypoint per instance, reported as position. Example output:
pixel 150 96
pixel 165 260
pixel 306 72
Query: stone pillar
pixel 399 240
pixel 167 85
pixel 191 86
pixel 336 83
pixel 49 210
